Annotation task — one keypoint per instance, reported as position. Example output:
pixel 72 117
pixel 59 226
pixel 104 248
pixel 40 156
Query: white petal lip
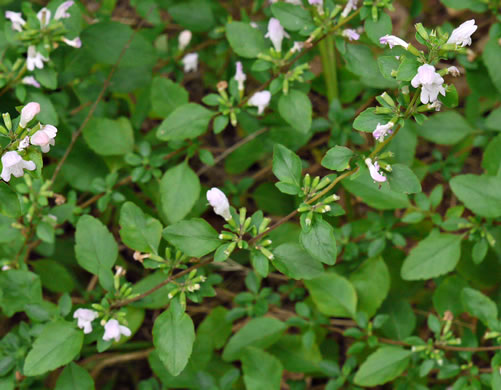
pixel 260 100
pixel 392 40
pixel 113 331
pixel 462 35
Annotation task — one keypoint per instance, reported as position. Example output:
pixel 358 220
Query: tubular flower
pixel 462 35
pixel 184 39
pixel 374 171
pixel 382 131
pixel 44 137
pixel 17 21
pixel 350 6
pixel 351 34
pixel 113 331
pixel 61 10
pixel 260 100
pixel 297 47
pixel 24 143
pixel 219 202
pixel 13 164
pixel 28 112
pixel 240 76
pixel 431 83
pixel 316 2
pixel 44 17
pixel 85 318
pixel 76 42
pixel 30 80
pixel 34 59
pixel 276 34
pixel 392 40
pixel 190 62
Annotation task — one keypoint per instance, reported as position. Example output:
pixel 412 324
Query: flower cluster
pixel 38 135
pixel 112 328
pixel 35 36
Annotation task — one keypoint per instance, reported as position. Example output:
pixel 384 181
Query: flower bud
pixel 219 202
pixel 28 113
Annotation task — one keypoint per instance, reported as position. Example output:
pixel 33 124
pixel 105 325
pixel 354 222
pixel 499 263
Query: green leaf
pixel 179 191
pixel 215 328
pixel 47 77
pixel 493 121
pixel 378 197
pixel 156 300
pixel 261 370
pixel 337 158
pixel 372 284
pixel 195 15
pixel 333 295
pixel 368 120
pixel 109 137
pixel 387 66
pixel 287 165
pixel 474 5
pixel 451 98
pixel 402 179
pixel 375 29
pixel 295 108
pixel 480 306
pixel 382 366
pixel 492 55
pixel 166 96
pixel 173 337
pixel 436 255
pixel 194 237
pixel 401 318
pixel 185 122
pixel 491 161
pixel 9 205
pixel 292 17
pixel 481 194
pixel 18 289
pixel 320 242
pixel 74 377
pixel 245 40
pixel 447 296
pixel 139 231
pixel 96 249
pixel 259 332
pixel 54 276
pixel 407 69
pixel 445 128
pixel 58 344
pixel 295 262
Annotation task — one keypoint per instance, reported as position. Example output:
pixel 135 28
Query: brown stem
pixel 121 358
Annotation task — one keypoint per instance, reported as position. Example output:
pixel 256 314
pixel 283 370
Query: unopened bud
pixel 264 225
pixel 267 253
pixel 7 121
pixel 303 208
pixel 229 250
pixel 323 183
pixel 222 85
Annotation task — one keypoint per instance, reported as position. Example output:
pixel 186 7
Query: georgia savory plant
pixel 145 243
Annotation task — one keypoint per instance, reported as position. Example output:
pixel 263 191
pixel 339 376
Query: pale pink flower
pixel 260 100
pixel 382 131
pixel 61 10
pixel 113 331
pixel 34 59
pixel 184 39
pixel 28 112
pixel 13 164
pixel 190 62
pixel 17 20
pixel 76 42
pixel 276 34
pixel 30 80
pixel 392 40
pixel 351 34
pixel 44 17
pixel 374 171
pixel 44 137
pixel 219 202
pixel 85 318
pixel 430 82
pixel 462 35
pixel 240 76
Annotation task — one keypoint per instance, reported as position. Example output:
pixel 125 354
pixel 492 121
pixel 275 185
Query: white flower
pixel 190 62
pixel 24 143
pixel 184 39
pixel 219 202
pixel 431 83
pixel 316 2
pixel 297 47
pixel 85 318
pixel 254 25
pixel 351 34
pixel 276 33
pixel 453 71
pixel 113 331
pixel 30 80
pixel 374 171
pixel 260 100
pixel 382 130
pixel 44 17
pixel 240 76
pixel 13 164
pixel 44 137
pixel 17 21
pixel 76 42
pixel 5 267
pixel 350 6
pixel 462 34
pixel 28 112
pixel 392 40
pixel 34 59
pixel 61 10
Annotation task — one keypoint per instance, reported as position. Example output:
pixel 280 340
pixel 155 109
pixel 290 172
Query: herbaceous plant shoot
pixel 250 194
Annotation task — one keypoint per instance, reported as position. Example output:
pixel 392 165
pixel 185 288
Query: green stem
pixel 328 56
